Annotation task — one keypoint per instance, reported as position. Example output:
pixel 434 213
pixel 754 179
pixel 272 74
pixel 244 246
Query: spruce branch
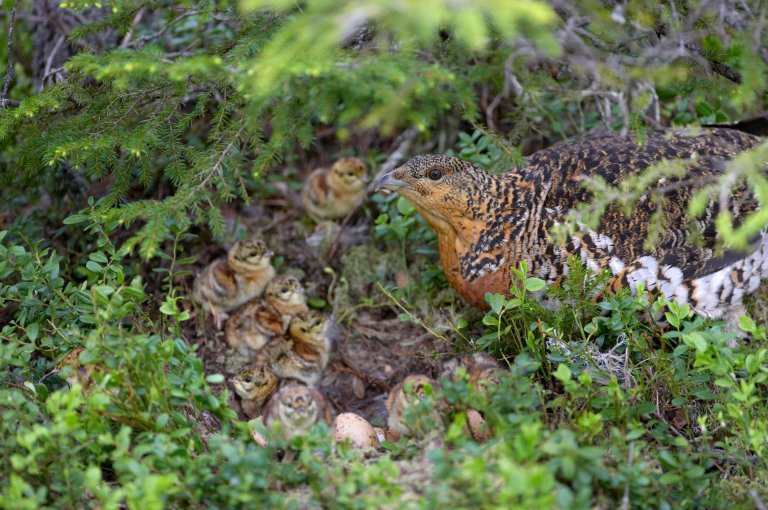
pixel 718 67
pixel 9 72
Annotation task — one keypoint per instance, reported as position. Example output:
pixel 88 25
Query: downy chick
pixel 75 372
pixel 296 408
pixel 404 417
pixel 230 281
pixel 330 193
pixel 482 369
pixel 254 386
pixel 309 353
pixel 256 323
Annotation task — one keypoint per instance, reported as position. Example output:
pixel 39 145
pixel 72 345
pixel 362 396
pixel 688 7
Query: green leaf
pixel 404 207
pixel 316 303
pixel 696 340
pixel 76 218
pixel 215 378
pixel 534 284
pixel 704 394
pixel 496 302
pixel 98 257
pixel 563 372
pixel 93 266
pixel 32 331
pixel 104 290
pixel 168 307
pixel 747 324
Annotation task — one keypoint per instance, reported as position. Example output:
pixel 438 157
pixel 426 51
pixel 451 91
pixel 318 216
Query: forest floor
pixel 373 348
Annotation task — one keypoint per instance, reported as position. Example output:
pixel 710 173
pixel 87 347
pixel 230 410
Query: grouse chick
pixel 482 370
pixel 230 281
pixel 403 418
pixel 254 385
pixel 75 372
pixel 296 408
pixel 310 348
pixel 286 294
pixel 254 324
pixel 487 224
pixel 335 192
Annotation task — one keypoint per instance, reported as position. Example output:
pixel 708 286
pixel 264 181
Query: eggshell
pixel 387 435
pixel 481 432
pixel 381 434
pixel 257 436
pixel 355 428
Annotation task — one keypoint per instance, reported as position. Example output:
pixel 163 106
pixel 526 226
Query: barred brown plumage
pixel 487 224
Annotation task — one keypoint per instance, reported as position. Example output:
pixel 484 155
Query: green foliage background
pixel 197 103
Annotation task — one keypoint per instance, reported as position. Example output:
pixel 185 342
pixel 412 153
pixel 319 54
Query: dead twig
pixel 151 37
pixel 49 62
pixel 136 20
pixel 9 71
pixel 404 142
pixel 756 500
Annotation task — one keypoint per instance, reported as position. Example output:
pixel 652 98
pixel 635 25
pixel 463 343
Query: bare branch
pixel 136 20
pixel 151 37
pixel 755 497
pixel 9 71
pixel 718 67
pixel 404 141
pixel 49 62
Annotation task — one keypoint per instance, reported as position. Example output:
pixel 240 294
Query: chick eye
pixel 435 174
pixel 248 379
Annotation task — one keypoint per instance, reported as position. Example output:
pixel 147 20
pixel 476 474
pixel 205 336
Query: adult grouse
pixel 487 224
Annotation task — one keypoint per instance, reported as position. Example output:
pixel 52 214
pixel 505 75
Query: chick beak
pixel 389 182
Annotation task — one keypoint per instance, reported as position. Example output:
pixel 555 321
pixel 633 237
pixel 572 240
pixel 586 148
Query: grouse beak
pixel 390 182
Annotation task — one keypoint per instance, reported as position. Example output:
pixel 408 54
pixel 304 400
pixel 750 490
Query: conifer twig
pixel 9 72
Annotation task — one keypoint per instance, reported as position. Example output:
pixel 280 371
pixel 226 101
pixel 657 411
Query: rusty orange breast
pixel 497 282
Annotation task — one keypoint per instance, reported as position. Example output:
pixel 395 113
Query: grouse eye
pixel 248 379
pixel 435 174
